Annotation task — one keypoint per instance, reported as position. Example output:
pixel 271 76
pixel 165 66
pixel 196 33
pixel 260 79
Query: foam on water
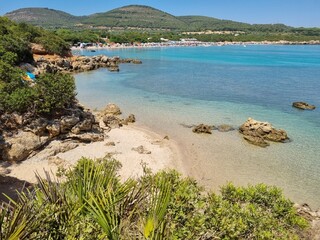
pixel 218 85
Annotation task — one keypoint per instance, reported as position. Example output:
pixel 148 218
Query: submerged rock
pixel 225 128
pixel 259 141
pixel 141 150
pixel 258 133
pixel 130 119
pixel 303 106
pixel 202 128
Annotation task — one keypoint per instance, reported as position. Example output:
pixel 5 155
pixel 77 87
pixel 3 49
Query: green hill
pixel 44 17
pixel 209 23
pixel 136 16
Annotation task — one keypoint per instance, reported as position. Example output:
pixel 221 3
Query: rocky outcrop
pixel 111 109
pixel 258 133
pixel 109 117
pixel 56 64
pixel 130 119
pixel 202 128
pixel 38 49
pixel 22 135
pixel 303 106
pixel 21 145
pixel 131 60
pixel 313 217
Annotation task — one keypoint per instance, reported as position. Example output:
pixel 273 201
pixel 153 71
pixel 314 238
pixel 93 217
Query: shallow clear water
pixel 216 85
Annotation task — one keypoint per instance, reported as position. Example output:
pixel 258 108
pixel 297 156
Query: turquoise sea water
pixel 216 85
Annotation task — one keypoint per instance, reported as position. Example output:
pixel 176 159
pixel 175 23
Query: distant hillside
pixel 209 23
pixel 135 16
pixel 44 17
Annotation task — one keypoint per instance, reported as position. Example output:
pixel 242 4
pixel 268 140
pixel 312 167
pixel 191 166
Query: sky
pixel 297 13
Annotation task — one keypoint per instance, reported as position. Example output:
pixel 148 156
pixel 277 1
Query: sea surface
pixel 223 85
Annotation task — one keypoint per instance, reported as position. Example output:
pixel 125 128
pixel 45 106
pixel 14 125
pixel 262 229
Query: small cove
pixel 217 85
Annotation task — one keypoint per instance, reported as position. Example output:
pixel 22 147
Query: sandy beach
pixel 122 144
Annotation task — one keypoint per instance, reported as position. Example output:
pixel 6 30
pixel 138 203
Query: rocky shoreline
pixel 54 64
pixel 24 135
pixel 48 63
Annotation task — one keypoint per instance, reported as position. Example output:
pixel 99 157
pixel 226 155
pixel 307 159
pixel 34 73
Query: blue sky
pixel 304 13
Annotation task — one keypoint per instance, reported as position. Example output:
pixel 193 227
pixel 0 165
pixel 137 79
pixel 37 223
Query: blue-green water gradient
pixel 216 85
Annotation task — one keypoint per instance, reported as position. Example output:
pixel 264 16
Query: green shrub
pixel 93 203
pixel 21 100
pixel 53 44
pixel 54 92
pixel 254 212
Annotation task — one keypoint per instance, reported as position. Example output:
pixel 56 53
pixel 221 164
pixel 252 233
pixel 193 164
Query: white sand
pixel 164 154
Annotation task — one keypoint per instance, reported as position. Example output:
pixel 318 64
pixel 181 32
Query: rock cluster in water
pixel 202 128
pixel 75 64
pixel 259 133
pixel 303 106
pixel 109 117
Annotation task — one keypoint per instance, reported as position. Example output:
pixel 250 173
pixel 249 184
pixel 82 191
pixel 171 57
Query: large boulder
pixel 111 109
pixel 22 145
pixel 130 119
pixel 112 121
pixel 54 128
pixel 68 122
pixel 303 106
pixel 38 126
pixel 38 49
pixel 85 125
pixel 257 133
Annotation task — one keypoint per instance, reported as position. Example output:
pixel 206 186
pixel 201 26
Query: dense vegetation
pixel 48 93
pixel 93 203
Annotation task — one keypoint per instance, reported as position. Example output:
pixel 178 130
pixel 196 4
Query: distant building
pixel 188 39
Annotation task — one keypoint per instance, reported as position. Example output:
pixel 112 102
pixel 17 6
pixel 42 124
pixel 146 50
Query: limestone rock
pixel 136 61
pixel 202 128
pixel 110 144
pixel 259 141
pixel 257 133
pixel 113 69
pixel 54 129
pixel 38 126
pixel 112 109
pixel 130 119
pixel 141 150
pixel 21 145
pixel 86 137
pixel 303 106
pixel 67 122
pixel 85 125
pixel 112 121
pixel 38 49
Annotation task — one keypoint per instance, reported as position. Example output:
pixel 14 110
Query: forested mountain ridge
pixel 135 16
